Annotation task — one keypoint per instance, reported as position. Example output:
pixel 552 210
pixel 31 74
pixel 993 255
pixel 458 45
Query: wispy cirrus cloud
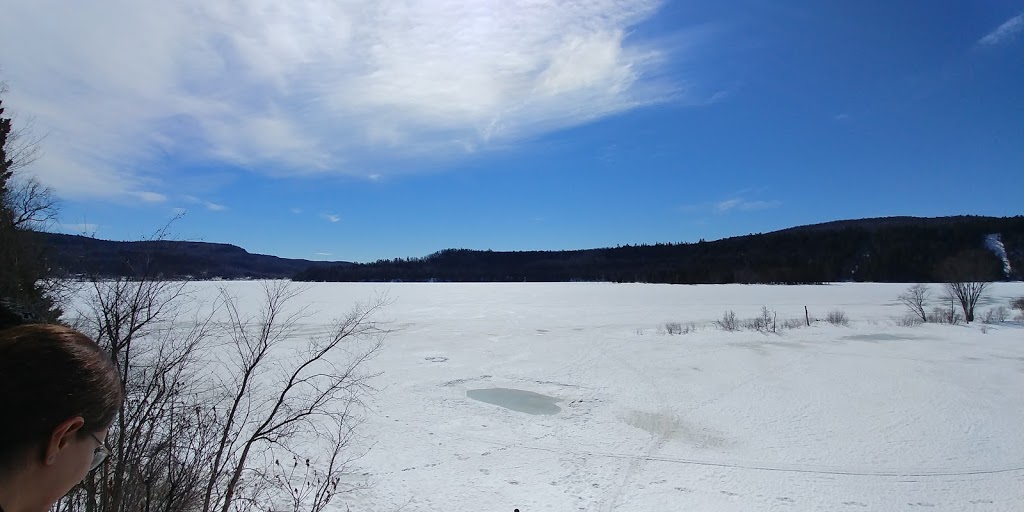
pixel 319 86
pixel 1005 32
pixel 331 217
pixel 733 204
pixel 743 205
pixel 151 197
pixel 209 205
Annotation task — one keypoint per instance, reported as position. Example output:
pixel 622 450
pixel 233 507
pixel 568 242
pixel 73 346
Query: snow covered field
pixel 870 417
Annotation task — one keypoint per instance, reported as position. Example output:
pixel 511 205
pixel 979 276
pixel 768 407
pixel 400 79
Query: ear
pixel 61 436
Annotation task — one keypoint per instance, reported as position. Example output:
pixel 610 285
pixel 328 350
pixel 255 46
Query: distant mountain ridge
pixel 893 249
pixel 888 249
pixel 80 255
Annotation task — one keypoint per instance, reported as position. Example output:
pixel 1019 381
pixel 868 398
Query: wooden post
pixel 807 316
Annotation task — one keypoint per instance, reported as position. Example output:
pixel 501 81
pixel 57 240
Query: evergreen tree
pixel 22 265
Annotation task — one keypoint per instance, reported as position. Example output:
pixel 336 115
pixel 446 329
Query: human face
pixel 68 458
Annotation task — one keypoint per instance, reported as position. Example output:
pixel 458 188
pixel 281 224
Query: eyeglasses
pixel 100 454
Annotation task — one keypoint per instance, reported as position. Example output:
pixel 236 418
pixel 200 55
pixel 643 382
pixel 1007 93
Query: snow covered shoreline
pixel 873 416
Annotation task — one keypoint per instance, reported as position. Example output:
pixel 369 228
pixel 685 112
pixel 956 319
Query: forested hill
pixel 893 249
pixel 79 255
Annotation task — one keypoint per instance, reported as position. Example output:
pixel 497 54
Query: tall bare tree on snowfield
pixel 916 298
pixel 967 276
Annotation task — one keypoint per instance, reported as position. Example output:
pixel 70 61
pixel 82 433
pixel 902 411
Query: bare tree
pixel 280 394
pixel 967 276
pixel 155 333
pixel 202 397
pixel 208 404
pixel 32 204
pixel 916 299
pixel 967 294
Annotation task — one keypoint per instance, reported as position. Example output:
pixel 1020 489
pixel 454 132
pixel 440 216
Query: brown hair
pixel 49 373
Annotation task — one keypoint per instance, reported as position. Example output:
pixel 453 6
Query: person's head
pixel 59 393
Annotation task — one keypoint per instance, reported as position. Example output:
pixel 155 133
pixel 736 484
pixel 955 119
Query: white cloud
pixel 728 204
pixel 330 216
pixel 735 204
pixel 744 205
pixel 151 197
pixel 213 207
pixel 296 211
pixel 1005 32
pixel 292 88
pixel 323 254
pixel 842 117
pixel 750 206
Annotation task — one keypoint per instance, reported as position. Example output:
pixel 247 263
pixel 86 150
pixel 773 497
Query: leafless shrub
pixel 793 323
pixel 1017 304
pixel 766 322
pixel 909 320
pixel 674 328
pixel 945 315
pixel 194 437
pixel 996 315
pixel 728 322
pixel 916 299
pixel 160 436
pixel 279 398
pixel 837 317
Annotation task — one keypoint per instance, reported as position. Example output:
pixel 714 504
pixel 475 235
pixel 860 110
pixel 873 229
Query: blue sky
pixel 364 130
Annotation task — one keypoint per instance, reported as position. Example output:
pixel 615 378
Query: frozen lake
pixel 517 400
pixel 867 417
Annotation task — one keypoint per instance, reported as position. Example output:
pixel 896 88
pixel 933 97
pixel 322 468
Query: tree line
pixel 922 250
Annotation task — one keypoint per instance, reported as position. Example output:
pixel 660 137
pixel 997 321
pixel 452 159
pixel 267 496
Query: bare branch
pixel 916 299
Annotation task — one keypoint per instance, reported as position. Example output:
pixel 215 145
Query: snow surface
pixel 994 242
pixel 870 417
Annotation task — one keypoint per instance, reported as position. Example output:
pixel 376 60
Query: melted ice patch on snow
pixel 667 426
pixel 994 243
pixel 517 400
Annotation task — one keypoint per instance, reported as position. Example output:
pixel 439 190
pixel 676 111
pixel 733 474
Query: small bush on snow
pixel 1017 304
pixel 728 321
pixel 837 317
pixel 765 323
pixel 793 323
pixel 909 321
pixel 673 328
pixel 996 315
pixel 943 315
